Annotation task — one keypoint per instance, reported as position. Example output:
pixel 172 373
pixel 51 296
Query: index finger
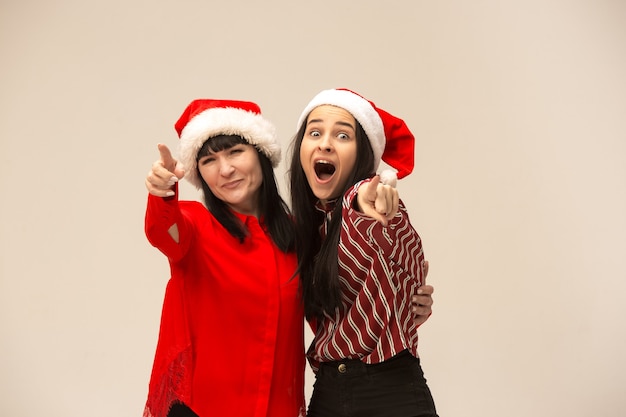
pixel 167 159
pixel 372 188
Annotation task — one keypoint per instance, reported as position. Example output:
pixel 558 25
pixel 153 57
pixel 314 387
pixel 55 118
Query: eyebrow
pixel 337 123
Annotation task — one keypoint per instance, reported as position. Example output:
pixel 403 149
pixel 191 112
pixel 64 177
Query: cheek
pixel 258 175
pixel 303 152
pixel 207 174
pixel 347 166
pixel 349 158
pixel 251 168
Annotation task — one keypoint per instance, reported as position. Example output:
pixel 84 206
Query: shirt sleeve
pixel 396 253
pixel 399 241
pixel 161 214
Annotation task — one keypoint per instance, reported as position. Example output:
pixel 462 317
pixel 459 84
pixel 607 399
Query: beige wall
pixel 519 190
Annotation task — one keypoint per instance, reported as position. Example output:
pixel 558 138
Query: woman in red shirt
pixel 357 273
pixel 231 333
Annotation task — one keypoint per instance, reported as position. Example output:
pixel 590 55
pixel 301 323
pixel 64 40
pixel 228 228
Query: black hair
pixel 272 208
pixel 317 260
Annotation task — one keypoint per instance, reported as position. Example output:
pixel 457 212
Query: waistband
pixel 356 367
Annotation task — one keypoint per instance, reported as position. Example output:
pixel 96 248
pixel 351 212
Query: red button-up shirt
pixel 231 334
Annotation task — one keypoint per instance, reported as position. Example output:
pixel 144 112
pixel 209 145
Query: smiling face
pixel 328 151
pixel 234 176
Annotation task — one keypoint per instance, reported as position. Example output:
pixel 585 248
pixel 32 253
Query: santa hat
pixel 206 118
pixel 391 139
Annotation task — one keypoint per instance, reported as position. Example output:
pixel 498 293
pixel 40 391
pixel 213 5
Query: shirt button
pixel 342 368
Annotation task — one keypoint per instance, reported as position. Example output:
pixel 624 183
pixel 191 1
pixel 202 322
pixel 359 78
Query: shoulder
pixel 191 205
pixel 194 211
pixel 352 192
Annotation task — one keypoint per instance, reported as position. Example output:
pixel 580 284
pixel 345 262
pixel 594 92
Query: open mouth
pixel 324 169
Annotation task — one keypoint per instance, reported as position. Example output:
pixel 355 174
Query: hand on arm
pixel 421 303
pixel 165 172
pixel 377 200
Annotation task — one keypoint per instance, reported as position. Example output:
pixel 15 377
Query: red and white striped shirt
pixel 380 268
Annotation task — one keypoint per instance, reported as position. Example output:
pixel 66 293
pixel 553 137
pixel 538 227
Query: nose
pixel 226 168
pixel 325 144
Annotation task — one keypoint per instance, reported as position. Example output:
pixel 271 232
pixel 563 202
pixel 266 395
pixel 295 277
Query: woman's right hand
pixel 377 200
pixel 165 172
pixel 422 302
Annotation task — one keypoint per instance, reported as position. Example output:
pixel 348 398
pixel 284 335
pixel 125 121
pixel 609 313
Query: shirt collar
pixel 246 219
pixel 328 207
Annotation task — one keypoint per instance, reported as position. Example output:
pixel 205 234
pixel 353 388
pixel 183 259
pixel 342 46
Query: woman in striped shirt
pixel 357 272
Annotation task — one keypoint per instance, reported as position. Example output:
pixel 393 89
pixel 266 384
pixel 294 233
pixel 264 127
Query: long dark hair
pixel 272 208
pixel 317 259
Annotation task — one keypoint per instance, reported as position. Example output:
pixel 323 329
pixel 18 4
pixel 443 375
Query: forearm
pixel 163 224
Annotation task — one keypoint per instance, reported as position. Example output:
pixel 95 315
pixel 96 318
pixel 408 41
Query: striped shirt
pixel 380 268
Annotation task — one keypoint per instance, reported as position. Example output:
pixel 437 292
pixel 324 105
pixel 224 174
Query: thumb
pixel 179 171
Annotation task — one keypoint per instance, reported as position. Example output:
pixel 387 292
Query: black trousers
pixel 350 388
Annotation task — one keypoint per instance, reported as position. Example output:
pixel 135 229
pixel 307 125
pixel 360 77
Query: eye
pixel 314 133
pixel 237 150
pixel 343 136
pixel 205 160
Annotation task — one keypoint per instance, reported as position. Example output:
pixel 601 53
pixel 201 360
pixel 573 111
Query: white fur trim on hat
pixel 253 127
pixel 389 177
pixel 361 110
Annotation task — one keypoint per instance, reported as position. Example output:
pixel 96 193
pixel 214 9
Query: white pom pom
pixel 389 177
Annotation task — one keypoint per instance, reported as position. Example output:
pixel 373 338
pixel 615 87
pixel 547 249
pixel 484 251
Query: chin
pixel 319 196
pixel 324 192
pixel 325 195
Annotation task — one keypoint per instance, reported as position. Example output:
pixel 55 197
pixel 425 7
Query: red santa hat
pixel 206 118
pixel 391 139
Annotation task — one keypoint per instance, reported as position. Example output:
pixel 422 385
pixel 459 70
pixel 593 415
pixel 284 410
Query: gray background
pixel 518 191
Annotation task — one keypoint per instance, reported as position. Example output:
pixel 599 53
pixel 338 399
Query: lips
pixel 231 184
pixel 324 170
